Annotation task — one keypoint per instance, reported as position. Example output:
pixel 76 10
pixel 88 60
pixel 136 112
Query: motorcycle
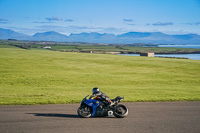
pixel 97 108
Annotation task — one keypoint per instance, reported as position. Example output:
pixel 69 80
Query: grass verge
pixel 48 77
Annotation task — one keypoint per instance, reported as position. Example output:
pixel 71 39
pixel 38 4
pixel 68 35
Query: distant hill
pixel 50 36
pixel 94 37
pixel 9 34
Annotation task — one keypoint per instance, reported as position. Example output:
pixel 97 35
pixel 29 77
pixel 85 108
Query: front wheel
pixel 84 111
pixel 120 111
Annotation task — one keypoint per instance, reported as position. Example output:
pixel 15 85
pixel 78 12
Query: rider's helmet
pixel 95 90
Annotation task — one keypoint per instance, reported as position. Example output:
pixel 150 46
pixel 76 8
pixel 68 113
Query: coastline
pixel 175 52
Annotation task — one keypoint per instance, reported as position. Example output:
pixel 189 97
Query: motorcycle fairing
pixel 93 103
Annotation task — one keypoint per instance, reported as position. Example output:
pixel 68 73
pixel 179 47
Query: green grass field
pixel 48 77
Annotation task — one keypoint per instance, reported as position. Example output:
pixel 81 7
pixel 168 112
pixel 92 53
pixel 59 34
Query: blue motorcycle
pixel 97 108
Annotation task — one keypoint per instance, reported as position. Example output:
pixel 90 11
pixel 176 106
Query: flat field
pixel 48 77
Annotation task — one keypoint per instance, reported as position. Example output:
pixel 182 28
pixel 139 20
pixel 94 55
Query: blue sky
pixel 103 16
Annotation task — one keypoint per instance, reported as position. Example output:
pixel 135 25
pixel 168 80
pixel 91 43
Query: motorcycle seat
pixel 117 98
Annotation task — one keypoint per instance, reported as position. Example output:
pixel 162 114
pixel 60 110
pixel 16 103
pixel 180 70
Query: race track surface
pixel 144 117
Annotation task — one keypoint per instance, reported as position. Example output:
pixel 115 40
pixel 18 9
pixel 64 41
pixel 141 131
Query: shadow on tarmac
pixel 62 115
pixel 55 115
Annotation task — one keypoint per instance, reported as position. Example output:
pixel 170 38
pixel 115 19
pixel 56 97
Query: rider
pixel 99 94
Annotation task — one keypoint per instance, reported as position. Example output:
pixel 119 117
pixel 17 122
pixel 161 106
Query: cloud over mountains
pixel 194 23
pixel 128 20
pixel 161 24
pixel 69 20
pixel 48 20
pixel 54 19
pixel 4 21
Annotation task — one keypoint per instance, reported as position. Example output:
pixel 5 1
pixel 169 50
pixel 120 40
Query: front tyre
pixel 120 111
pixel 84 111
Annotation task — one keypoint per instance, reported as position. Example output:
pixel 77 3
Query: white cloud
pixel 4 21
pixel 163 24
pixel 54 19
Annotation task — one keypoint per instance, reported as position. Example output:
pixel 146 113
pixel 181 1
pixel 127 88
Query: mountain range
pixel 94 37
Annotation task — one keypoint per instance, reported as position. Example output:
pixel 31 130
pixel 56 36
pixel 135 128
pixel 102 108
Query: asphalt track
pixel 144 117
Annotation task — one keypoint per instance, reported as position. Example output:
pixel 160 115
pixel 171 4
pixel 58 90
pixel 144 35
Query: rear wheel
pixel 120 111
pixel 84 111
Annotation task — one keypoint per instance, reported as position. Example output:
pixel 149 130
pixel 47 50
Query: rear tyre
pixel 120 111
pixel 84 111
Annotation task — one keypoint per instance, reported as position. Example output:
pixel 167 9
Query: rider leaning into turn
pixel 99 94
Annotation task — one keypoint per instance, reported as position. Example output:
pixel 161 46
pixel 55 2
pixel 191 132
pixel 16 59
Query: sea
pixel 189 56
pixel 181 46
